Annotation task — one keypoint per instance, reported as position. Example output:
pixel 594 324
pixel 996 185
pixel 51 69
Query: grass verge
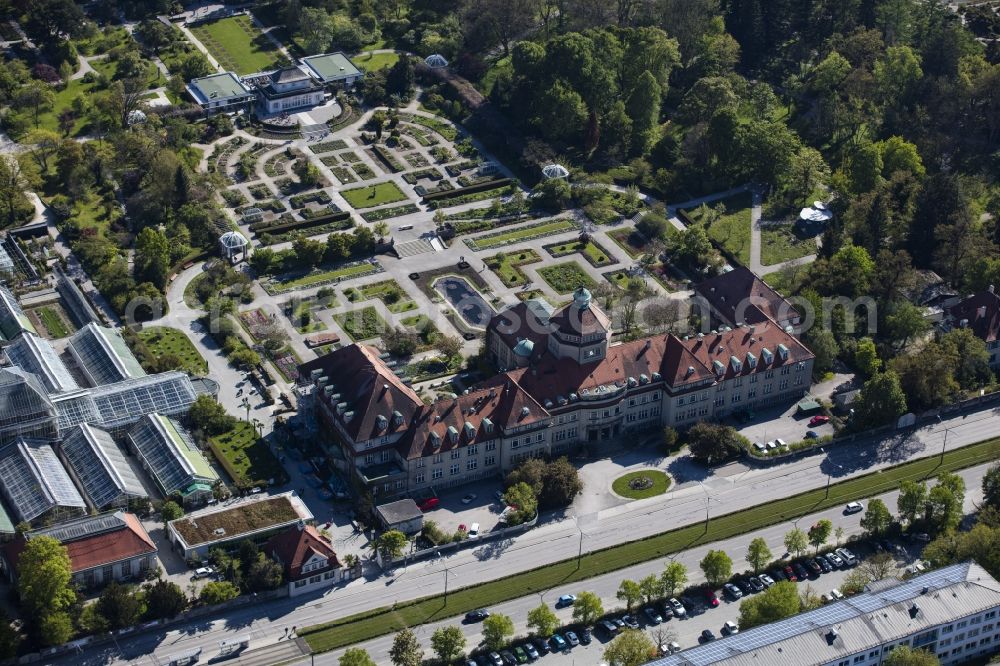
pixel 238 45
pixel 660 482
pixel 373 195
pixel 377 622
pixel 731 230
pixel 246 457
pixel 508 266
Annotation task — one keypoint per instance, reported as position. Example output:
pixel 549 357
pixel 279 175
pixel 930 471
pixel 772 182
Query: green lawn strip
pixel 163 340
pixel 237 45
pixel 618 278
pixel 375 61
pixel 524 233
pixel 377 622
pixel 784 281
pixel 508 266
pixel 661 482
pixel 52 322
pixel 387 291
pixel 246 457
pixel 362 324
pixel 732 229
pixel 590 250
pixel 377 194
pixel 566 277
pixel 779 243
pixel 326 276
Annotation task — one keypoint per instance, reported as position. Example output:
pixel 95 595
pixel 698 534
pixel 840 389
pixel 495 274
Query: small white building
pixel 232 243
pixel 553 171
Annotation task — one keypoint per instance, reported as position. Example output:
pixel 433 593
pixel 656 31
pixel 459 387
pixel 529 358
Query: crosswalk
pixel 410 248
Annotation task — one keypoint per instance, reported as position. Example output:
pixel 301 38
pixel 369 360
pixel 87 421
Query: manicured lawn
pixel 590 250
pixel 54 322
pixel 786 280
pixel 565 278
pixel 618 278
pixel 387 291
pixel 375 61
pixel 362 324
pixel 629 240
pixel 374 195
pixel 304 320
pixel 369 624
pixel 163 340
pixel 507 266
pixel 660 482
pixel 732 229
pixel 247 458
pixel 343 273
pixel 780 243
pixel 524 233
pixel 238 45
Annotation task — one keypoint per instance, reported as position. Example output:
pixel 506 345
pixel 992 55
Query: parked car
pixel 812 434
pixel 530 651
pixel 585 637
pixel 619 623
pixel 473 531
pixel 204 572
pixel 477 615
pixel 469 499
pixel 819 419
pixel 428 504
pixel 572 638
pixel 835 560
pixel 706 636
pixel 652 617
pixel 832 595
pixel 814 568
pixel 710 598
pixel 508 658
pixel 766 580
pixel 557 642
pixel 778 575
pixel 744 585
pixel 608 627
pixel 677 607
pixel 854 507
pixel 790 574
pixel 630 621
pixel 730 628
pixel 780 442
pixel 496 659
pixel 673 647
pixel 800 571
pixel 756 584
pixel 520 655
pixel 848 557
pixel 922 537
pixel 772 445
pixel 541 645
pixel 732 591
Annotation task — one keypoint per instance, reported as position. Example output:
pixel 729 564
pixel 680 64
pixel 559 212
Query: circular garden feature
pixel 641 484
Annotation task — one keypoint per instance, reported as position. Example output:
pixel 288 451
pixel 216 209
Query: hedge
pixel 472 189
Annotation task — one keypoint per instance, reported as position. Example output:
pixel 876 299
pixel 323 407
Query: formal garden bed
pixel 261 192
pixel 567 277
pixel 630 240
pixel 320 276
pixel 441 127
pixel 596 255
pixel 363 324
pixel 508 266
pixel 55 322
pixel 328 146
pixel 641 484
pixel 163 341
pixel 387 291
pixel 377 194
pixel 529 232
pixel 246 457
pixel 386 213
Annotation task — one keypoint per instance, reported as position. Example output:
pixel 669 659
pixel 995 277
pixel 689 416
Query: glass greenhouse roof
pixel 37 356
pixel 25 407
pixel 100 466
pixel 104 356
pixel 169 454
pixel 34 481
pixel 13 321
pixel 124 403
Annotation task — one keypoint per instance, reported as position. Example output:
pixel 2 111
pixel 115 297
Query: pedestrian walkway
pixel 411 248
pixel 277 653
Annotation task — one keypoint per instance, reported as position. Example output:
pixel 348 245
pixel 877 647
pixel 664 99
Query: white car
pixel 730 628
pixel 854 507
pixel 832 595
pixel 772 445
pixel 759 446
pixel 469 499
pixel 473 530
pixel 203 572
pixel 780 442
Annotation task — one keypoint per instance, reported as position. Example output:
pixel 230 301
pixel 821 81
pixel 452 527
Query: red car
pixel 819 419
pixel 428 504
pixel 790 573
pixel 710 597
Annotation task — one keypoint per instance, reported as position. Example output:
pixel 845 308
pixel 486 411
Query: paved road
pixel 724 490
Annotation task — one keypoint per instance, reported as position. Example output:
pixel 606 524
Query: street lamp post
pixel 944 444
pixel 708 503
pixel 446 585
pixel 829 475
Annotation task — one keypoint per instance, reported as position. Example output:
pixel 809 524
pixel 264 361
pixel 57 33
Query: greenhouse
pixel 36 355
pixel 436 61
pixel 552 171
pixel 122 404
pixel 25 408
pixel 101 468
pixel 13 321
pixel 35 484
pixel 103 355
pixel 172 459
pixel 7 267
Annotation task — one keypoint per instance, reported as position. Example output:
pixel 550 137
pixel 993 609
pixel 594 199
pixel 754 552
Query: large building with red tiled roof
pixel 740 297
pixel 307 559
pixel 563 383
pixel 102 548
pixel 980 313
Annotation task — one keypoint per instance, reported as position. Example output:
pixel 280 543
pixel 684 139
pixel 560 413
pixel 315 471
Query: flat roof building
pixel 100 468
pixel 103 355
pixel 289 88
pixel 332 68
pixel 172 459
pixel 37 356
pixel 403 515
pixel 951 612
pixel 35 484
pixel 256 518
pixel 220 92
pixel 13 321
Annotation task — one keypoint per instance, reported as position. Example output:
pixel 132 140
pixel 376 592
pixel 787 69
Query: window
pixel 438 459
pixel 472 450
pixel 437 473
pixel 370 459
pixel 329 574
pixel 656 395
pixel 418 479
pixel 471 464
pixel 514 443
pixel 421 462
pixel 491 446
pixel 631 402
pixel 385 456
pixel 490 461
pixel 783 384
pixel 754 378
pixel 127 568
pixel 108 573
pixel 680 401
pixel 737 397
pixel 607 413
pixel 315 579
pixel 738 381
pixel 769 374
pixel 300 583
pixel 785 370
pixel 767 389
pixel 456 454
pixel 752 393
pixel 454 470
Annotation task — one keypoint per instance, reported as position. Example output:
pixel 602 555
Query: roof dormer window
pixel 452 434
pixel 751 360
pixel 720 369
pixel 766 356
pixel 783 352
pixel 736 363
pixel 397 419
pixel 470 430
pixel 487 425
pixel 381 423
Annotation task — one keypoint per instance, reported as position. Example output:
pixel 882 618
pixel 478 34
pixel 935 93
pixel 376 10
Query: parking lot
pixel 468 505
pixel 785 424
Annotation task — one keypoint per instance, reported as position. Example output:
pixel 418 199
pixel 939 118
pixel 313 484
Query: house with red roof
pixel 980 313
pixel 307 559
pixel 102 548
pixel 563 383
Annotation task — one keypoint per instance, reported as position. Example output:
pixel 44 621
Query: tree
pixel 758 554
pixel 560 484
pixel 674 578
pixel 400 342
pixel 877 518
pixel 405 650
pixel 35 96
pixel 13 182
pixel 866 357
pixel 905 323
pixel 820 533
pixel 164 600
pixel 911 501
pixel 307 172
pixel 991 486
pixel 711 443
pixel 207 415
pixel 944 504
pixel 152 257
pixel 390 544
pixel 587 608
pixel 796 541
pixel 779 601
pixel 904 655
pixel 629 592
pixel 44 577
pixel 522 496
pixel 263 574
pixel 718 567
pixel 400 78
pixel 855 581
pixel 880 402
pixel 448 643
pixel 170 510
pixel 119 605
pixel 650 588
pixel 543 620
pixel 630 648
pixel 807 171
pixel 497 630
pixel 125 96
pixel 823 344
pixel 216 592
pixel 356 657
pixel 449 346
pixel 879 566
pixel 669 439
pixel 643 107
pixel 55 628
pixel 10 638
